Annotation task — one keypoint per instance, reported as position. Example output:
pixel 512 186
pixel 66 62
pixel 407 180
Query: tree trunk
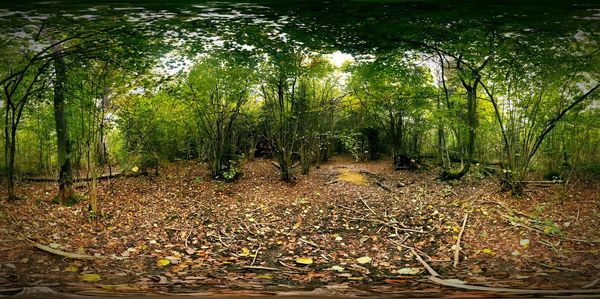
pixel 471 122
pixel 11 163
pixel 65 192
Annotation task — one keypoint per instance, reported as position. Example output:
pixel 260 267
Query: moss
pixel 69 201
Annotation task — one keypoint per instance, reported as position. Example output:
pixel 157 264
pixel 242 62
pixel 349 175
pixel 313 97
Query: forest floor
pixel 347 228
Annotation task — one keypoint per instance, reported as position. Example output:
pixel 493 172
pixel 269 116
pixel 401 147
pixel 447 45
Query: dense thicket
pixel 125 92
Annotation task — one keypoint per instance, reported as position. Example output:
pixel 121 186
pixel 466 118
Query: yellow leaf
pixel 135 169
pixel 488 251
pixel 304 260
pixel 245 252
pixel 364 260
pixel 71 269
pixel 163 262
pixel 90 277
pixel 264 276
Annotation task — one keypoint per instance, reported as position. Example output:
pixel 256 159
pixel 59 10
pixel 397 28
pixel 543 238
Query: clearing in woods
pixel 347 228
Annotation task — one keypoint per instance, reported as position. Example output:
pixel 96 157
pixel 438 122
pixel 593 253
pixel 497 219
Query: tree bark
pixel 471 123
pixel 65 180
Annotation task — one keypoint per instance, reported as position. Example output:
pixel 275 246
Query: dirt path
pixel 347 228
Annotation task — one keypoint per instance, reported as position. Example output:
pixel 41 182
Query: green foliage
pixel 352 145
pixel 425 82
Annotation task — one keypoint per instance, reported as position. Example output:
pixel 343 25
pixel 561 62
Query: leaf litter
pixel 177 233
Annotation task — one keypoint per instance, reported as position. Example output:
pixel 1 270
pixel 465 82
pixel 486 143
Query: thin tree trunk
pixel 65 180
pixel 11 164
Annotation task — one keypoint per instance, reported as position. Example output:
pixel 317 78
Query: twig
pixel 580 240
pixel 291 267
pixel 453 284
pixel 308 242
pixel 429 269
pixel 221 240
pixel 367 205
pixel 255 255
pixel 457 249
pixel 188 236
pixel 559 268
pixel 409 248
pixel 384 187
pixel 262 268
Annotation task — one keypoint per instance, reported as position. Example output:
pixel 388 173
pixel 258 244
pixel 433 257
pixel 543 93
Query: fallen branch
pixel 559 268
pixel 454 284
pixel 429 269
pixel 63 253
pixel 75 180
pixel 384 187
pixel 457 249
pixel 580 240
pixel 389 223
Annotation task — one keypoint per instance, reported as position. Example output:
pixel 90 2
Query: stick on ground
pixel 457 249
pixel 427 267
pixel 63 253
pixel 459 285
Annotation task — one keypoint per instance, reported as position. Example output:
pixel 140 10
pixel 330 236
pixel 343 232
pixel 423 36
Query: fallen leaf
pixel 71 269
pixel 245 252
pixel 264 276
pixel 90 277
pixel 163 262
pixel 304 260
pixel 364 260
pixel 337 268
pixel 409 271
pixel 488 251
